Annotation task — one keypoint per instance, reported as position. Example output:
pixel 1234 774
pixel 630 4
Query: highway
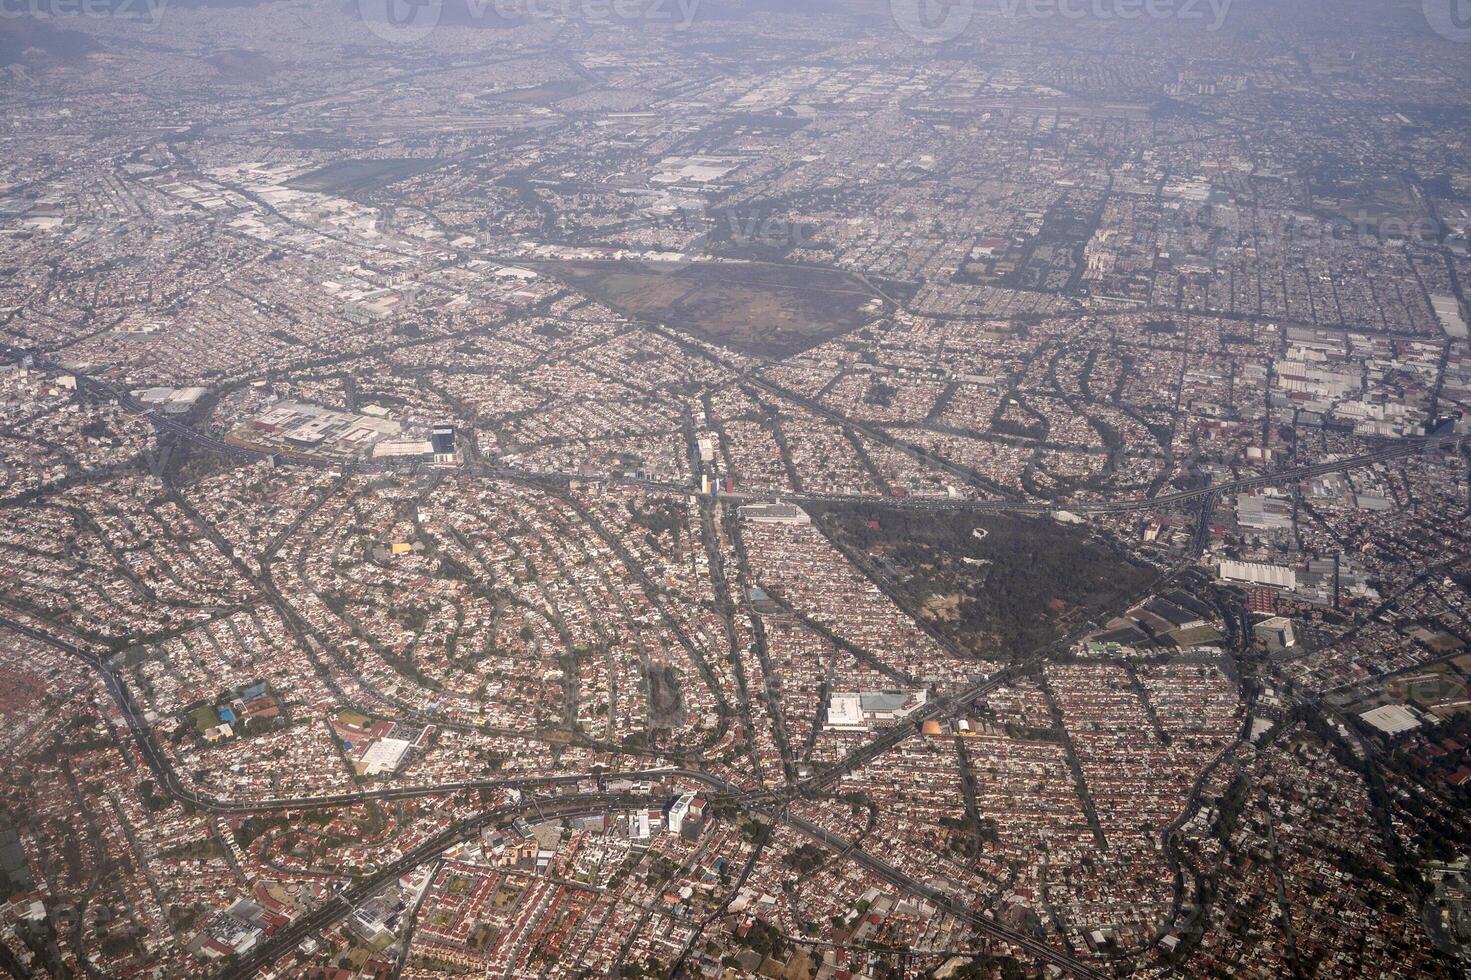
pixel 939 707
pixel 1404 447
pixel 169 782
pixel 1409 446
pixel 341 904
pixel 772 804
pixel 944 900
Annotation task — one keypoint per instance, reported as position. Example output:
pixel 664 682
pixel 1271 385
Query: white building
pixel 1257 573
pixel 777 513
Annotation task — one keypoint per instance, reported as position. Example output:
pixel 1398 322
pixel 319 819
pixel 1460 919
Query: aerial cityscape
pixel 804 489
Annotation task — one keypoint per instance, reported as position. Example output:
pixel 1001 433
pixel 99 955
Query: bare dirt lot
pixel 754 308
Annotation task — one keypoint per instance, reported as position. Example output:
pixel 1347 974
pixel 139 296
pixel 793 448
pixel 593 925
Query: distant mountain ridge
pixel 30 38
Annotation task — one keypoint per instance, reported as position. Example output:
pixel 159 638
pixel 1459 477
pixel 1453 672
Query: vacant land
pixel 998 586
pixel 544 94
pixel 767 310
pixel 239 65
pixel 348 177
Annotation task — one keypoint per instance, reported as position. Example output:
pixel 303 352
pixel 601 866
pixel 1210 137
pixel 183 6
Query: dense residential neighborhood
pixel 724 489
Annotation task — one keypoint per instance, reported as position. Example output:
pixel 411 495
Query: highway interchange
pixel 769 805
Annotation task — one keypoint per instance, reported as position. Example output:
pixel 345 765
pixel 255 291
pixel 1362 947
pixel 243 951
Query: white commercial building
pixel 384 756
pixel 1392 719
pixel 1258 573
pixel 778 513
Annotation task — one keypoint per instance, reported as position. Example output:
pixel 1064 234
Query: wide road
pixel 1405 447
pixel 771 804
pixel 170 783
pixel 341 904
pixel 1409 446
pixel 942 899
